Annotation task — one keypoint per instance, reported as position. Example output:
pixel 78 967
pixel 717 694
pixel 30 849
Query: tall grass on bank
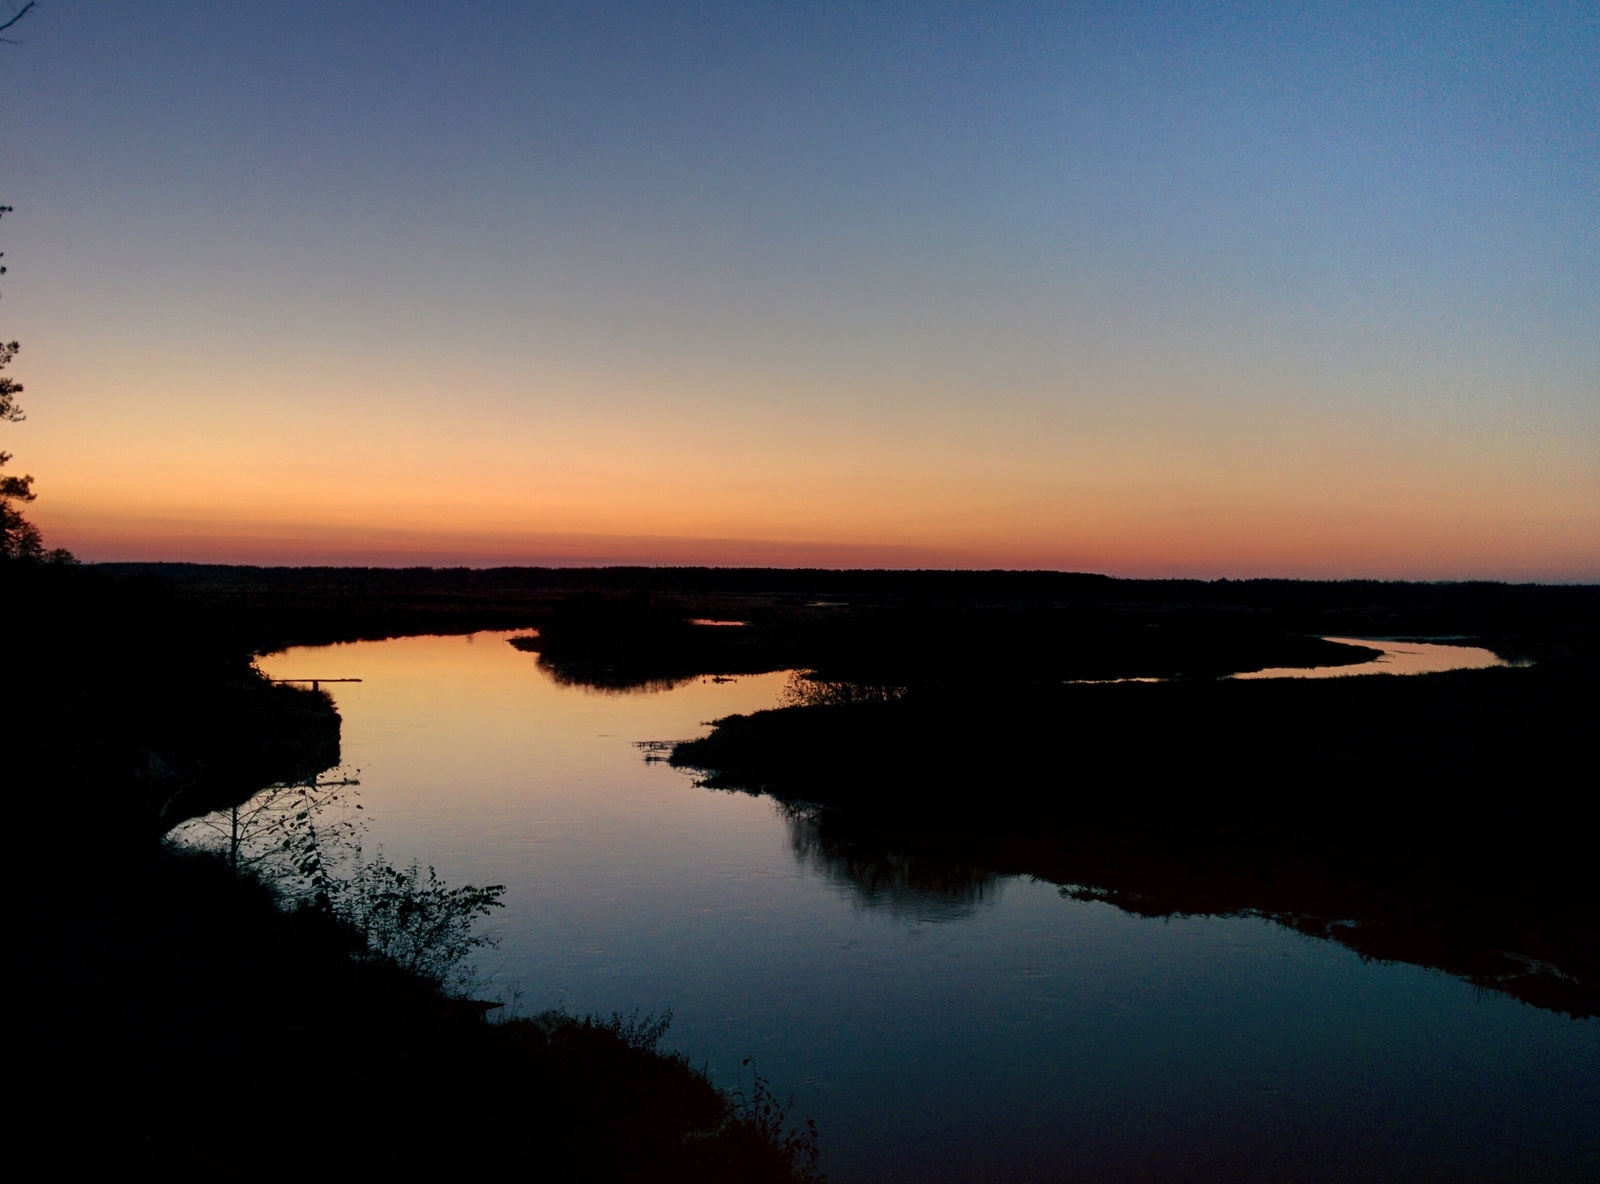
pixel 610 1101
pixel 306 840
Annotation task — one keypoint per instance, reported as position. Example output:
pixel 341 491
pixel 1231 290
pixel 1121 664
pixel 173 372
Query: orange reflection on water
pixel 458 737
pixel 1398 657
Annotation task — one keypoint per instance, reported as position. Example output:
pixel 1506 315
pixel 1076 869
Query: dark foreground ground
pixel 939 740
pixel 177 1019
pixel 191 1028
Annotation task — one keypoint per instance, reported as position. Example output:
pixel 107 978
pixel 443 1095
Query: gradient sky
pixel 1173 289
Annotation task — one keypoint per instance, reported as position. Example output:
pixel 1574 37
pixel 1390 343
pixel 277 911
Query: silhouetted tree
pixel 19 538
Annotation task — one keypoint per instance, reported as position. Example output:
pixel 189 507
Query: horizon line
pixel 825 570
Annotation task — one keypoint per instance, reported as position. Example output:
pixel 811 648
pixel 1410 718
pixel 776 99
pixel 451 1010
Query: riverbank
pixel 1427 819
pixel 193 1026
pixel 937 1025
pixel 866 625
pixel 177 1017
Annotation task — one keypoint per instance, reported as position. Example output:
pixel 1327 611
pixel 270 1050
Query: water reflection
pixel 1397 657
pixel 908 886
pixel 601 679
pixel 933 868
pixel 1026 1036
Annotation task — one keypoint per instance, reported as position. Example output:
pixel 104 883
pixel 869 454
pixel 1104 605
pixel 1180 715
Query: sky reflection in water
pixel 975 1029
pixel 1398 657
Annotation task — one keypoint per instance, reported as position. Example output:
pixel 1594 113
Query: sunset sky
pixel 1149 289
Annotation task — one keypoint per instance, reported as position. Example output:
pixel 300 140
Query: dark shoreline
pixel 937 738
pixel 179 1019
pixel 1427 819
pixel 275 607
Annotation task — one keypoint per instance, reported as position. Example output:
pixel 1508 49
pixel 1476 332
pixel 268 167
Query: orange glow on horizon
pixel 626 467
pixel 1235 318
pixel 1379 548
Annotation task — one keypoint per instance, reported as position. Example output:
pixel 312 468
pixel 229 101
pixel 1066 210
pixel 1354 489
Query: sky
pixel 1155 289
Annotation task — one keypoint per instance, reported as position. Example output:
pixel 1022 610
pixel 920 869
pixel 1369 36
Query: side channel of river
pixel 1394 657
pixel 1001 1032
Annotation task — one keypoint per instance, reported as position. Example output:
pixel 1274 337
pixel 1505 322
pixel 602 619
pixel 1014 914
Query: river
pixel 991 1031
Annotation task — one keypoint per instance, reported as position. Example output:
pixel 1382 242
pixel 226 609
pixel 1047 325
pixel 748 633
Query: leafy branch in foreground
pixel 305 839
pixel 768 1118
pixel 750 1121
pixel 415 920
pixel 642 1033
pixel 281 832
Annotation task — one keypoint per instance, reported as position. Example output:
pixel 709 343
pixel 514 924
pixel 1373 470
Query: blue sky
pixel 1220 289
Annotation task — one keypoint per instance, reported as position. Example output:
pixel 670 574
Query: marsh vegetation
pixel 930 758
pixel 282 999
pixel 1424 819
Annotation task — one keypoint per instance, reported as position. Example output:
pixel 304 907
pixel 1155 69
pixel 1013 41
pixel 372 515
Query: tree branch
pixel 4 25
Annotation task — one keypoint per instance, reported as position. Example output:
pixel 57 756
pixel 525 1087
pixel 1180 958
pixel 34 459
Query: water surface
pixel 982 1029
pixel 1396 657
